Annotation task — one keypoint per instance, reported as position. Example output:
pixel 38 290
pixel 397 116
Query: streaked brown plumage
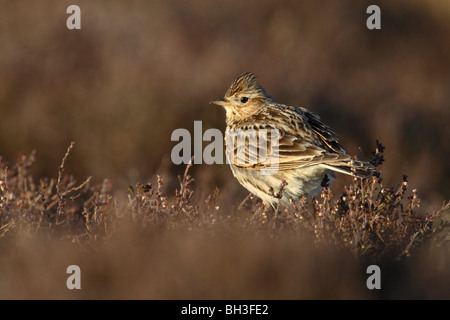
pixel 308 151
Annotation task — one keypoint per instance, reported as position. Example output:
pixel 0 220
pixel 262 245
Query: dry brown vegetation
pixel 161 246
pixel 137 71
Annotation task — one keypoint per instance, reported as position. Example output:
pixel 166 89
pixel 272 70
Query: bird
pixel 276 147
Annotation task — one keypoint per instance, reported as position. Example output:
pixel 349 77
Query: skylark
pixel 303 150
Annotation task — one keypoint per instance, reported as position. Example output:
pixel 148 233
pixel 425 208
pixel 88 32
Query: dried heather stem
pixel 61 169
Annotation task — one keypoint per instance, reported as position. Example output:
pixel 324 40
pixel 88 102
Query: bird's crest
pixel 246 82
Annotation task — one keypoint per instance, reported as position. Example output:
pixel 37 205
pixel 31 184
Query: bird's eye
pixel 244 99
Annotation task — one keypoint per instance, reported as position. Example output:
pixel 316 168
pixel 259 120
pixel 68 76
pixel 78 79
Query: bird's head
pixel 243 98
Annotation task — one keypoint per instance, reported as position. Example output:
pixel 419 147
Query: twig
pixel 61 170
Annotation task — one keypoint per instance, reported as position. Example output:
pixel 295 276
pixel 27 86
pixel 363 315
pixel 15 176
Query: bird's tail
pixel 358 168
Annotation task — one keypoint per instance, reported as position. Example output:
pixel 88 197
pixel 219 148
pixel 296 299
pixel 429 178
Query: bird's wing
pixel 325 135
pixel 294 137
pixel 257 147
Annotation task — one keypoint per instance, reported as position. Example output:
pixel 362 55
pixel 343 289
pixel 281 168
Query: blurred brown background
pixel 137 70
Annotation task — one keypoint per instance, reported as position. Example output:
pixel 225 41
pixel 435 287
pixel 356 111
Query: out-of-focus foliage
pixel 156 245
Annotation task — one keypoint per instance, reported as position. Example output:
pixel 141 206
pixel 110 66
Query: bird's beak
pixel 220 102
